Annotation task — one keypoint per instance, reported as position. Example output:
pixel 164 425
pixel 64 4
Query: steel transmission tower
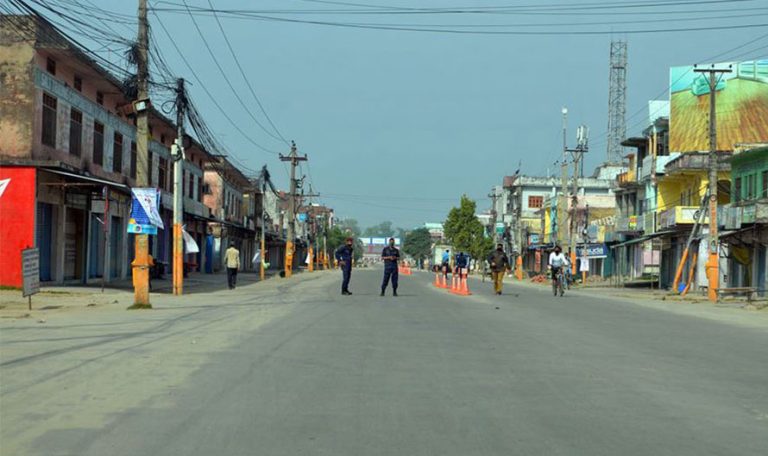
pixel 617 101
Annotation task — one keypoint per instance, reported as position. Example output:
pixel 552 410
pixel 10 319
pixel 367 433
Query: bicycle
pixel 558 285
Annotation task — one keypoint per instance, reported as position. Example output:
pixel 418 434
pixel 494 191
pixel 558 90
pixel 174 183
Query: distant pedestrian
pixel 499 266
pixel 462 261
pixel 391 257
pixel 445 264
pixel 232 263
pixel 344 255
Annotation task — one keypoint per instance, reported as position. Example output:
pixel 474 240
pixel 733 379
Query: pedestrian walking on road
pixel 499 266
pixel 232 263
pixel 445 264
pixel 344 255
pixel 462 261
pixel 391 257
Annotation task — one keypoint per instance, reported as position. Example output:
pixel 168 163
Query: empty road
pixel 290 367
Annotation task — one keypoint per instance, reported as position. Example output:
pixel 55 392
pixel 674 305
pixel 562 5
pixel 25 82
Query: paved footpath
pixel 290 367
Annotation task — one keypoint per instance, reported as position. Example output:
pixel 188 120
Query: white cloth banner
pixel 189 242
pixel 256 258
pixel 148 197
pixel 584 265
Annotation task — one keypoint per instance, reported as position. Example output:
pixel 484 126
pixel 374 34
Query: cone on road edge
pixel 463 288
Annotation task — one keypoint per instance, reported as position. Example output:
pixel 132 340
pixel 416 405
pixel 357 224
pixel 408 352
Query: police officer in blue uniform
pixel 391 257
pixel 344 255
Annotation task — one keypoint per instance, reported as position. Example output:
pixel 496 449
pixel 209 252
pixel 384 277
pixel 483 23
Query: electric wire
pixel 224 75
pixel 245 78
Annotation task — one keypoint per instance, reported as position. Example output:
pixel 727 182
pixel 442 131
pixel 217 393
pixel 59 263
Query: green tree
pixel 383 229
pixel 338 235
pixel 349 226
pixel 418 244
pixel 464 231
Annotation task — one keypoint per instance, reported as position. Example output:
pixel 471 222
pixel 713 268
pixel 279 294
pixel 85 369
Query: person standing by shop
pixel 232 263
pixel 345 255
pixel 499 263
pixel 391 257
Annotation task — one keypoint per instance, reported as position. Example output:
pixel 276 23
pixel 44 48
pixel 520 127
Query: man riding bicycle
pixel 557 260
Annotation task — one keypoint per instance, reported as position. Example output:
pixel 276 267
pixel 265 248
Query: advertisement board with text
pixel 741 106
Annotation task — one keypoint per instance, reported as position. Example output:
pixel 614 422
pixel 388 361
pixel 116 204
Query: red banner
pixel 17 220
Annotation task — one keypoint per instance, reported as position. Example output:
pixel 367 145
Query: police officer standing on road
pixel 499 266
pixel 344 255
pixel 391 257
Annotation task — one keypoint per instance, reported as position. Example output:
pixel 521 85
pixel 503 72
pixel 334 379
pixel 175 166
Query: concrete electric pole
pixel 493 196
pixel 713 263
pixel 562 201
pixel 141 262
pixel 289 247
pixel 263 179
pixel 177 154
pixel 582 134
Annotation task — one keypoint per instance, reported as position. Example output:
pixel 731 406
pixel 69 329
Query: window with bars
pixel 98 143
pixel 49 120
pixel 162 169
pixel 764 185
pixel 200 189
pixel 535 202
pixel 134 158
pixel 737 189
pixel 99 98
pixel 50 65
pixel 77 83
pixel 150 159
pixel 191 186
pixel 75 132
pixel 117 153
pixel 751 184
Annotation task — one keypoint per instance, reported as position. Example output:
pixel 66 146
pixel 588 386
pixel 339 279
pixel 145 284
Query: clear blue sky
pixel 416 119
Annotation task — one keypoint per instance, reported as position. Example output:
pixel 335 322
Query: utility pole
pixel 493 196
pixel 141 262
pixel 562 201
pixel 578 157
pixel 177 154
pixel 713 263
pixel 294 159
pixel 263 242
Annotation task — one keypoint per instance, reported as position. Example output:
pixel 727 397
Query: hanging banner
pixel 189 242
pixel 145 218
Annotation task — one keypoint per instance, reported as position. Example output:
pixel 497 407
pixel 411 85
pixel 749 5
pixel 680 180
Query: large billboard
pixel 17 220
pixel 742 106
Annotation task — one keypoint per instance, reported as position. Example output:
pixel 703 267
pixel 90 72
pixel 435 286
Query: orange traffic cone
pixel 437 279
pixel 463 288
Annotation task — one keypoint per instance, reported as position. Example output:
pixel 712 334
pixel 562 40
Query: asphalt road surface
pixel 298 369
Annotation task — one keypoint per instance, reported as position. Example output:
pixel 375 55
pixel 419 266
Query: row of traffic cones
pixel 459 284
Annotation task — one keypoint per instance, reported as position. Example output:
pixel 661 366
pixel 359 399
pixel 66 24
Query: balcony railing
pixel 733 216
pixel 626 178
pixel 680 215
pixel 695 161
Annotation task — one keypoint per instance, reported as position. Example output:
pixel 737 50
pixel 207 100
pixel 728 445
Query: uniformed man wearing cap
pixel 391 257
pixel 344 255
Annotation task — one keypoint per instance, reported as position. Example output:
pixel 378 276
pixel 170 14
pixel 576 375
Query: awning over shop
pixel 643 238
pixel 88 179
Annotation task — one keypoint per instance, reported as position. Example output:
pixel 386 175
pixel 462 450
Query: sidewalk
pixel 118 295
pixel 731 311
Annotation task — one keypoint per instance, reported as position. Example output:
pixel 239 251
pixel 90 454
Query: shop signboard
pixel 592 251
